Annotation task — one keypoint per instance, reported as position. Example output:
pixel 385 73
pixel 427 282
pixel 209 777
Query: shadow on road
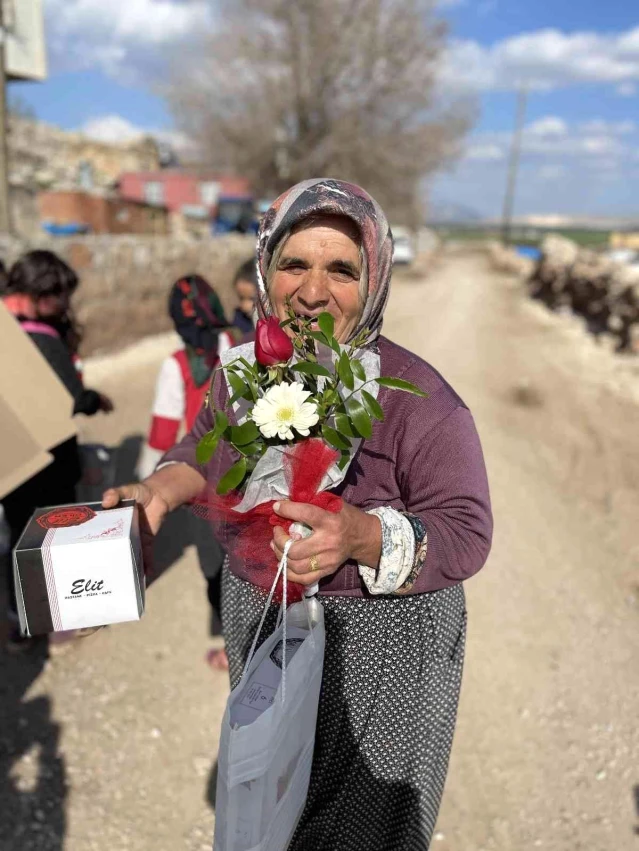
pixel 33 787
pixel 211 787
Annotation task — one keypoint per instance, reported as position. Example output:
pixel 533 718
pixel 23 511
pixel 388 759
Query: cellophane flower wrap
pixel 299 406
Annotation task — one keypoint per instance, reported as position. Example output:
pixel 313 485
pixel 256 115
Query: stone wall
pixel 125 280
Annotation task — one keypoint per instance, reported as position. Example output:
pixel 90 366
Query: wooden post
pixel 513 165
pixel 5 217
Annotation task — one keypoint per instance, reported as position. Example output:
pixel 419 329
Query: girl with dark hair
pixel 184 377
pixel 38 291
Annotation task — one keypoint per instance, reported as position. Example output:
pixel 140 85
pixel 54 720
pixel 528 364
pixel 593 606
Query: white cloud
pixel 120 35
pixel 626 90
pixel 543 59
pixel 551 125
pixel 114 129
pixel 486 152
pixel 142 21
pixel 612 128
pixel 552 137
pixel 552 172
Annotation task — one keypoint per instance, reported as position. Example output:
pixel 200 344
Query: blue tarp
pixel 528 251
pixel 70 229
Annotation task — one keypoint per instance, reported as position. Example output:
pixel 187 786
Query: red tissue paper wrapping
pixel 249 534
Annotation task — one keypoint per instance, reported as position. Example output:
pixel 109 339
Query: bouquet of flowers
pixel 302 403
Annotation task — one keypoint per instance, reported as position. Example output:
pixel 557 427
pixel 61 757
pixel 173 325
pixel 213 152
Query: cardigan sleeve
pixel 442 478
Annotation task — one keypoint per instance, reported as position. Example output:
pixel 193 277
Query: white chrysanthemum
pixel 283 408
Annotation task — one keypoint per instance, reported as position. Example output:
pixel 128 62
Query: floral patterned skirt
pixel 392 674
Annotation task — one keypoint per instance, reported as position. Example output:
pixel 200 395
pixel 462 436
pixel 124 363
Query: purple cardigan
pixel 425 458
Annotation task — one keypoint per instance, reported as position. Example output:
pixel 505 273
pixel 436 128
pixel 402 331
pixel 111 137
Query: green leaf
pixel 343 461
pixel 359 416
pixel 358 370
pixel 240 387
pixel 345 372
pixel 321 339
pixel 345 426
pixel 206 447
pixel 252 384
pixel 246 433
pixel 326 325
pixel 221 423
pixel 334 438
pixel 237 396
pixel 372 406
pixel 232 478
pixel 250 448
pixel 400 384
pixel 308 368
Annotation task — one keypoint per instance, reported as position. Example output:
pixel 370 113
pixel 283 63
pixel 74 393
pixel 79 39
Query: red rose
pixel 272 344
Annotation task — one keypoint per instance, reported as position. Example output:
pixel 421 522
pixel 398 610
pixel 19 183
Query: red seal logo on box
pixel 69 515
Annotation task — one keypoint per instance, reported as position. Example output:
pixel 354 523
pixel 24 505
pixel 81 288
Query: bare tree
pixel 291 89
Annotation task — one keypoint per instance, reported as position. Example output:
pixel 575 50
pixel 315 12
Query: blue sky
pixel 580 62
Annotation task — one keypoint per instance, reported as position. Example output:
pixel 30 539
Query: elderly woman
pixel 415 524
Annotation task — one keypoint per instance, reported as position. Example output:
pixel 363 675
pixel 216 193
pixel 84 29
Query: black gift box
pixel 78 566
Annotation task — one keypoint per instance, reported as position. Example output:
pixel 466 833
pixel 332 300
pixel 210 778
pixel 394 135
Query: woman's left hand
pixel 336 538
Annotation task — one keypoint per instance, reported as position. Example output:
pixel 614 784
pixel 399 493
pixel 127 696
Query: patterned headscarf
pixel 324 196
pixel 198 316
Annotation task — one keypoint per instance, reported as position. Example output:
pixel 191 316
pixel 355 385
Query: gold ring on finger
pixel 314 563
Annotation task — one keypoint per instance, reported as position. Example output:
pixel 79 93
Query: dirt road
pixel 111 746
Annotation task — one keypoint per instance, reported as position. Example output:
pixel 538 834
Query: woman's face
pixel 319 270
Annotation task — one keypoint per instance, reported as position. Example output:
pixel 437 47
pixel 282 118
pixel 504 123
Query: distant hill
pixel 448 211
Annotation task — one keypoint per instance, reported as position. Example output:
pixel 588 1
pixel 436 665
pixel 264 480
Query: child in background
pixel 245 284
pixel 181 389
pixel 184 377
pixel 38 291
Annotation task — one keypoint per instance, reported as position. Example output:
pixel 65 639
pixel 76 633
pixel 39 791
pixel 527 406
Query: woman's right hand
pixel 153 508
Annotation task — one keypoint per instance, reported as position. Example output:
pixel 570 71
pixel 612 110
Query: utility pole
pixel 5 219
pixel 513 164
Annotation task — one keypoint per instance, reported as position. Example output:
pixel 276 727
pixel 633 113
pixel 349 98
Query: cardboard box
pixel 35 407
pixel 78 566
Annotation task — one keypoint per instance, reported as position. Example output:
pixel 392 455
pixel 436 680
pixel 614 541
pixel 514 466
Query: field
pixel 595 239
